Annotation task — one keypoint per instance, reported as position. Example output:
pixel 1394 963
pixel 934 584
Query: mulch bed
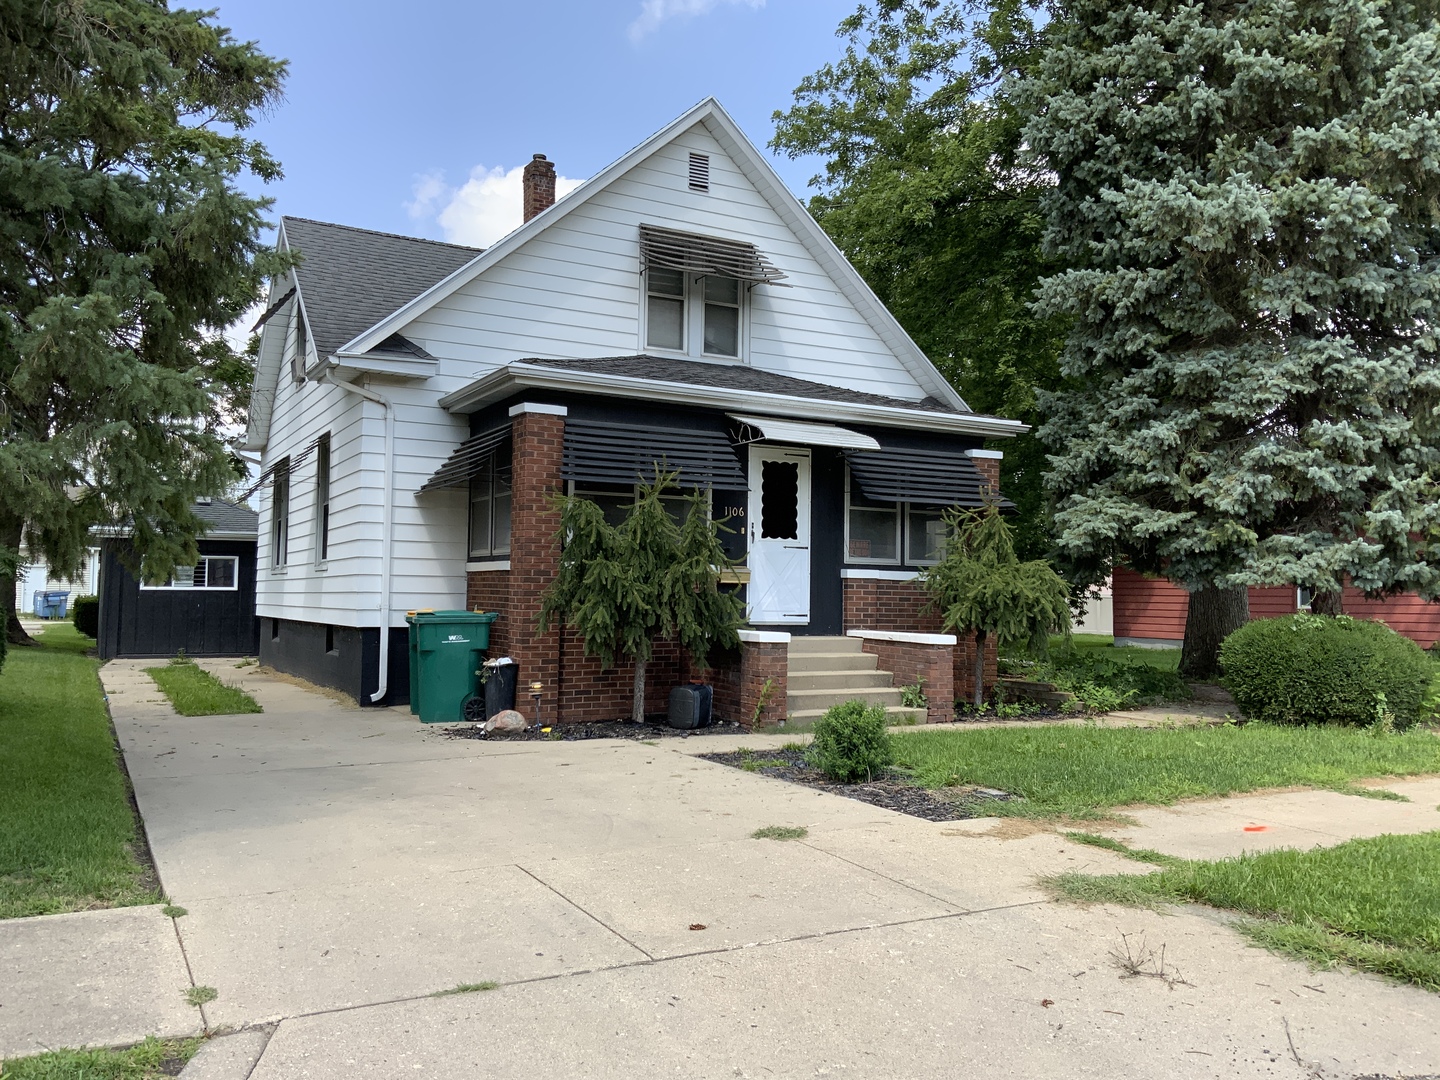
pixel 892 791
pixel 600 729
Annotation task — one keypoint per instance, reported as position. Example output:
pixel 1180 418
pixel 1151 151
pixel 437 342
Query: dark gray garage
pixel 205 610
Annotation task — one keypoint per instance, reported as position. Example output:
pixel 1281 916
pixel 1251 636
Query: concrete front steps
pixel 825 671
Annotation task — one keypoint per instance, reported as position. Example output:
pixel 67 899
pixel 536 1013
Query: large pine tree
pixel 1248 194
pixel 126 246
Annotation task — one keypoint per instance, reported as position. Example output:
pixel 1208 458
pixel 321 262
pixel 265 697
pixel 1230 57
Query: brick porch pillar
pixel 987 464
pixel 538 435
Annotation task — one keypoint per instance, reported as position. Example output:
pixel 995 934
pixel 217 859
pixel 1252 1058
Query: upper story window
pixel 301 359
pixel 700 315
pixel 697 291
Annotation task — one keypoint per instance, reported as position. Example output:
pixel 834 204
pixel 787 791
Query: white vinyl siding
pixel 575 290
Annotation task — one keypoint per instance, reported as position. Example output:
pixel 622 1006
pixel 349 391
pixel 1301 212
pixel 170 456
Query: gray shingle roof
pixel 222 516
pixel 352 278
pixel 733 377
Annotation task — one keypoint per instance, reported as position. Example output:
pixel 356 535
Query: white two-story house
pixel 417 405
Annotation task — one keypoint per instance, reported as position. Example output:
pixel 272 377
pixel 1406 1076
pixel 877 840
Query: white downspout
pixel 386 527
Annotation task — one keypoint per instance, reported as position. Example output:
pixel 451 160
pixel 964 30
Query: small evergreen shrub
pixel 850 742
pixel 1318 669
pixel 85 612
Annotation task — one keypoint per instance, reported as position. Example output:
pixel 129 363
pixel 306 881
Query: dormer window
pixel 696 291
pixel 699 316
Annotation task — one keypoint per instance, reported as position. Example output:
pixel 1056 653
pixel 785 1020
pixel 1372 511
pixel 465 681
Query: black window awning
pixel 604 453
pixel 926 477
pixel 467 456
pixel 675 250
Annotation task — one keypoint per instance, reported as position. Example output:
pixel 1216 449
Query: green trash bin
pixel 445 654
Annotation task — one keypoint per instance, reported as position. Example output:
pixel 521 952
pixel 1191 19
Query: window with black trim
pixel 615 500
pixel 213 572
pixel 301 358
pixel 490 497
pixel 280 514
pixel 322 498
pixel 699 315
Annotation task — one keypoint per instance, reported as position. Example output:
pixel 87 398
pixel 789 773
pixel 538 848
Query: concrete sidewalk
pixel 341 866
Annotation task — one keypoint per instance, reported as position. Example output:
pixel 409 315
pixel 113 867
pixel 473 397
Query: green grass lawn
pixel 195 692
pixel 1102 645
pixel 1372 904
pixel 152 1059
pixel 66 825
pixel 1079 771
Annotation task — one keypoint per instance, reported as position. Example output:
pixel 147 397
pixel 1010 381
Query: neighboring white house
pixel 35 576
pixel 683 294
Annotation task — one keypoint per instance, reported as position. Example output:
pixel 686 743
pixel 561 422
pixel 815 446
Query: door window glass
pixel 779 500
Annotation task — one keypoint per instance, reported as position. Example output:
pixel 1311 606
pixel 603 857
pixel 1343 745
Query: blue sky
pixel 413 116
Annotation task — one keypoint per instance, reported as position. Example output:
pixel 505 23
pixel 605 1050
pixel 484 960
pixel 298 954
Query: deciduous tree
pixel 926 192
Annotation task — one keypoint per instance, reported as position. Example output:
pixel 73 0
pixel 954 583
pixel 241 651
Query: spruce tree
pixel 126 247
pixel 981 588
pixel 624 587
pixel 1248 197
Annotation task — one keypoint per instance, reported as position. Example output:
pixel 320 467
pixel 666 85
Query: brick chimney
pixel 539 186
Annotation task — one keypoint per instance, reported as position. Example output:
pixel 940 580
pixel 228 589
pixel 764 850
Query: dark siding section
pixel 351 665
pixel 827 543
pixel 161 622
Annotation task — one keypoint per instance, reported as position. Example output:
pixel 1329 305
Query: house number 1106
pixel 734 511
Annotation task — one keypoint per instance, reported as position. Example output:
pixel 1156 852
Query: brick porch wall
pixel 901 606
pixel 931 665
pixel 489 590
pixel 739 679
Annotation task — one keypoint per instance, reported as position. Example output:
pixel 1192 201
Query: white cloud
pixel 481 210
pixel 653 13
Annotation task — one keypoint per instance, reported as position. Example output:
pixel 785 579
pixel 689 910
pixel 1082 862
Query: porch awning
pixel 604 453
pixel 675 250
pixel 926 477
pixel 459 465
pixel 797 431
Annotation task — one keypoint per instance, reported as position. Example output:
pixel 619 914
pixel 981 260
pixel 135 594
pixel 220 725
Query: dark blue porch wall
pixel 827 542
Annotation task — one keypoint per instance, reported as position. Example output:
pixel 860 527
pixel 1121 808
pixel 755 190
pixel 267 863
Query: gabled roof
pixel 352 278
pixel 760 173
pixel 225 519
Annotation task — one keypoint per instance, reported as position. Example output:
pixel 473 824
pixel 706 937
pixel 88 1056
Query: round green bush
pixel 85 614
pixel 851 742
pixel 1316 669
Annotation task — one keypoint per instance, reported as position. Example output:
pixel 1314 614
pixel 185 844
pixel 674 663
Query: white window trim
pixel 170 586
pixel 902 535
pixel 693 318
pixel 490 553
pixel 899 533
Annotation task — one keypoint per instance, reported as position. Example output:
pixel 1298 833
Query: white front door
pixel 779 535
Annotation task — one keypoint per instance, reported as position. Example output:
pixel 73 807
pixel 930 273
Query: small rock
pixel 509 720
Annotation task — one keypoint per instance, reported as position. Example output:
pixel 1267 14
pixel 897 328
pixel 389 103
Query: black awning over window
pixel 927 477
pixel 697 254
pixel 466 458
pixel 604 453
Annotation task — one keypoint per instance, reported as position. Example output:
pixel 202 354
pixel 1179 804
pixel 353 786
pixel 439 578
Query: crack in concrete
pixel 653 961
pixel 580 909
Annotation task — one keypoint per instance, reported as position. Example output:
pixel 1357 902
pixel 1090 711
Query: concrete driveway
pixel 340 868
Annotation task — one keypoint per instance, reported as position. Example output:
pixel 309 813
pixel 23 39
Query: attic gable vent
pixel 699 172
